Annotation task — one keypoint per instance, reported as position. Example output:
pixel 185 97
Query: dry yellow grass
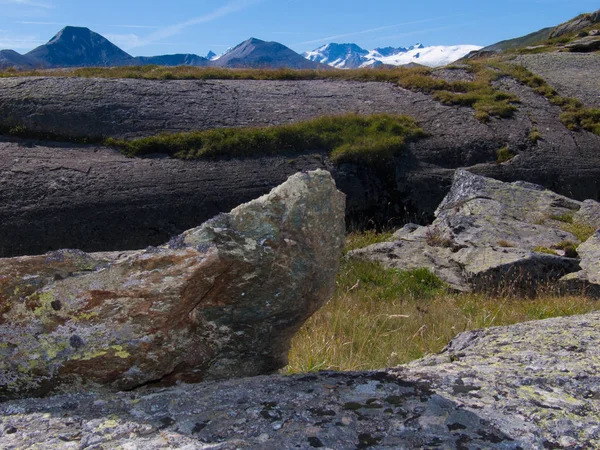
pixel 381 318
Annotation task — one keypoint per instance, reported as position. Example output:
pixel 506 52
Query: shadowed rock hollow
pixel 218 301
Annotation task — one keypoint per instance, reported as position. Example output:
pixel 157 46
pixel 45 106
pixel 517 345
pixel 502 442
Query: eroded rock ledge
pixel 528 386
pixel 218 301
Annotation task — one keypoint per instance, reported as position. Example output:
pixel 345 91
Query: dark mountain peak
pixel 71 33
pixel 254 52
pixel 210 55
pixel 80 46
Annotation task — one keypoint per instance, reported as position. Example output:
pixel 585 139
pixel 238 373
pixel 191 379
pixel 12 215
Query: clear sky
pixel 145 28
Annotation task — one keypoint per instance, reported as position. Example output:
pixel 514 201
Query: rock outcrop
pixel 92 198
pixel 527 386
pixel 490 235
pixel 218 301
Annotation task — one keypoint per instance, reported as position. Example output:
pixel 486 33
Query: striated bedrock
pixel 528 386
pixel 495 236
pixel 93 198
pixel 221 300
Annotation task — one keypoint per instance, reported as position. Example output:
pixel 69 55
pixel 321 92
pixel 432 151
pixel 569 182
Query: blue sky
pixel 145 28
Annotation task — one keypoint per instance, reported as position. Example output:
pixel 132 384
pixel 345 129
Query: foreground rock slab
pixel 494 236
pixel 528 386
pixel 218 301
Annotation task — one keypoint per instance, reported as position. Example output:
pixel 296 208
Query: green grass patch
pixel 381 318
pixel 535 135
pixel 582 231
pixel 361 239
pixel 348 138
pixel 565 218
pixel 575 115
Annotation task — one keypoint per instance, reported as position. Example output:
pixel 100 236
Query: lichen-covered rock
pixel 494 236
pixel 482 211
pixel 221 300
pixel 528 386
pixel 589 213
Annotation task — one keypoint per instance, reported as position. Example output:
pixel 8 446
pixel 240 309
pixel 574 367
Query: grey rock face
pixel 590 257
pixel 528 386
pixel 219 301
pixel 90 197
pixel 490 235
pixel 480 211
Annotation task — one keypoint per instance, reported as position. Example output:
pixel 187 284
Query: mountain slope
pixel 174 60
pixel 256 53
pixel 351 56
pixel 10 58
pixel 566 31
pixel 80 47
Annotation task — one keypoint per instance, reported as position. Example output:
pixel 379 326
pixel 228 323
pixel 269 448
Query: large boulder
pixel 494 389
pixel 219 301
pixel 493 236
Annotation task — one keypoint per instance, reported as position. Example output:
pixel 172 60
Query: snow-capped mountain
pixel 351 56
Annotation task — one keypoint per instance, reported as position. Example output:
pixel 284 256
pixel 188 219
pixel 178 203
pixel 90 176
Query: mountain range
pixel 82 47
pixel 351 56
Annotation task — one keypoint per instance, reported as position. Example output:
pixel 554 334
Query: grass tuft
pixel 505 154
pixel 349 138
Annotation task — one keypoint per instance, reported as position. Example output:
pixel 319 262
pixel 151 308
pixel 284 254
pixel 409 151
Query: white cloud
pixel 168 31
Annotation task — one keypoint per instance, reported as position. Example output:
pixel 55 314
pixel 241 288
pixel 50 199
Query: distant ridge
pixel 174 60
pixel 351 56
pixel 82 47
pixel 10 58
